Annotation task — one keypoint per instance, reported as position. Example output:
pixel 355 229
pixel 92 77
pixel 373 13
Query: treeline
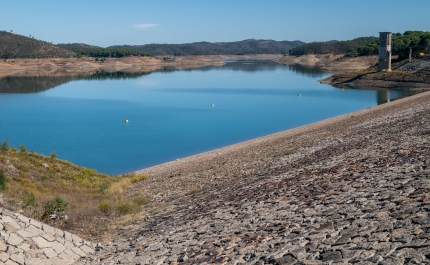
pixel 400 42
pixel 108 52
pixel 339 47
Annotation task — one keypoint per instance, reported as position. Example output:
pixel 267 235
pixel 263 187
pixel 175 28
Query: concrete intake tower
pixel 384 51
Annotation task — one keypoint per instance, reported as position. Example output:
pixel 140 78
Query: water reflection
pixel 309 71
pixel 35 84
pixel 386 95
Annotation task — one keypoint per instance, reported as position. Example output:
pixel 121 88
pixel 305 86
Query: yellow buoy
pixel 298 95
pixel 125 121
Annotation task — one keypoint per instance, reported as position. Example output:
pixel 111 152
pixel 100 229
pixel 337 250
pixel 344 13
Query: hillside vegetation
pixel 47 188
pixel 18 46
pixel 81 49
pixel 251 46
pixel 399 43
pixel 339 47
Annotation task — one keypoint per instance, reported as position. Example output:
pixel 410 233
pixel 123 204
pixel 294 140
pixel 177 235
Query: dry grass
pixel 93 199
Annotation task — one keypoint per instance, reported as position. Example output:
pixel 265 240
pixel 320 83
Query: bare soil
pixel 77 66
pixel 333 63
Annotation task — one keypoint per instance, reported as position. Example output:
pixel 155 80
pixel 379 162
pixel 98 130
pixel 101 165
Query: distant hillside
pixel 18 46
pixel 74 46
pixel 336 47
pixel 250 46
pixel 81 49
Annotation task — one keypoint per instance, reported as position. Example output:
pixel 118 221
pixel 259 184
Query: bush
pixel 141 200
pixel 2 180
pixel 22 148
pixel 105 207
pixel 4 146
pixel 53 155
pixel 139 178
pixel 125 207
pixel 105 185
pixel 29 200
pixel 57 207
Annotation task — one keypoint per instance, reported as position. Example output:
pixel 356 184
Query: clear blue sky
pixel 108 22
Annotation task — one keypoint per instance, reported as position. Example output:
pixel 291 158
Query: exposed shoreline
pixel 347 72
pixel 79 66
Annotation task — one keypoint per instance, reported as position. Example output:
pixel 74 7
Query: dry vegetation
pixel 39 186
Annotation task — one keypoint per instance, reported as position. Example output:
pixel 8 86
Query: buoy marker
pixel 298 95
pixel 126 121
pixel 212 105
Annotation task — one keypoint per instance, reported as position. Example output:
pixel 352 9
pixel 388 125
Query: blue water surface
pixel 169 112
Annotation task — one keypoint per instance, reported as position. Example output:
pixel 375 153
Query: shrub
pixel 139 178
pixel 125 207
pixel 105 185
pixel 4 146
pixel 141 200
pixel 2 180
pixel 22 148
pixel 53 155
pixel 57 207
pixel 105 207
pixel 29 200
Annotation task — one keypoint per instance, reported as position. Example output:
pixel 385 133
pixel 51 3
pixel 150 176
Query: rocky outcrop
pixel 356 192
pixel 27 241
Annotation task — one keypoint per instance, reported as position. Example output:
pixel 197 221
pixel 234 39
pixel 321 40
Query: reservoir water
pixel 171 114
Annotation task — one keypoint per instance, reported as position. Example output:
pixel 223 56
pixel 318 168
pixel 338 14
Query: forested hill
pixel 18 46
pixel 76 46
pixel 251 46
pixel 336 47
